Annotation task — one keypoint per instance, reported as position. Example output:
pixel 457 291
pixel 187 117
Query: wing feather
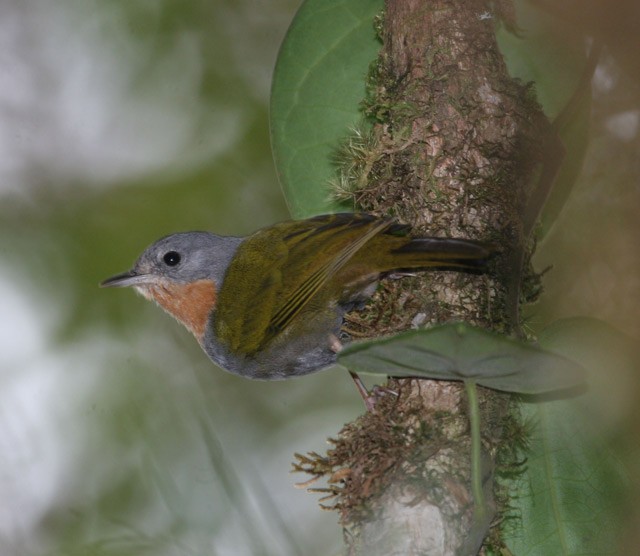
pixel 278 270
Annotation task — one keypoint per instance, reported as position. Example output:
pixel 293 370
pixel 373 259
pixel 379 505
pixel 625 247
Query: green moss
pixel 378 25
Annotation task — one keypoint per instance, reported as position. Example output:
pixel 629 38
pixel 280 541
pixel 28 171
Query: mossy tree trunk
pixel 453 152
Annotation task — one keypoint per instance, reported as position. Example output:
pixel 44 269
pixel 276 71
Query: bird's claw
pixel 371 398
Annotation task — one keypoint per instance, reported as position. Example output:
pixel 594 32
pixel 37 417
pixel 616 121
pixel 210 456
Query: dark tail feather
pixel 440 252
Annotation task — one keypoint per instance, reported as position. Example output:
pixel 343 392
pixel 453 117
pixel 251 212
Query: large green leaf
pixel 566 502
pixel 318 84
pixel 462 352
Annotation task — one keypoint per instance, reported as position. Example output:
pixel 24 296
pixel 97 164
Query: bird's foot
pixel 371 398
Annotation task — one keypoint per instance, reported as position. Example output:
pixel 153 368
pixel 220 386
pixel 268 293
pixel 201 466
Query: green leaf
pixel 567 500
pixel 318 84
pixel 463 352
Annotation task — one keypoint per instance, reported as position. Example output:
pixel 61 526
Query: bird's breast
pixel 190 303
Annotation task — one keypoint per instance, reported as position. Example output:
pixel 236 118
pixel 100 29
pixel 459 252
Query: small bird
pixel 270 306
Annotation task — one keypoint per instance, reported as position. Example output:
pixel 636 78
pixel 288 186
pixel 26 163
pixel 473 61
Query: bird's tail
pixel 435 252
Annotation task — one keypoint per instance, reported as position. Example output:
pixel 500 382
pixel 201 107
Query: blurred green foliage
pixel 131 120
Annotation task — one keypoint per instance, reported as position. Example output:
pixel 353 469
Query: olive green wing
pixel 278 270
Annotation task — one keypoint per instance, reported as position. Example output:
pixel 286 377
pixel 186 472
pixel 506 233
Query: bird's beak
pixel 126 279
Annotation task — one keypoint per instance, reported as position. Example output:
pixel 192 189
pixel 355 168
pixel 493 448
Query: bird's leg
pixel 335 345
pixel 368 398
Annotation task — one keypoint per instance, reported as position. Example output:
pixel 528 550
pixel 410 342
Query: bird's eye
pixel 172 258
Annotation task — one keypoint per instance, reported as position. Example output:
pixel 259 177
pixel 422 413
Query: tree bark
pixel 452 152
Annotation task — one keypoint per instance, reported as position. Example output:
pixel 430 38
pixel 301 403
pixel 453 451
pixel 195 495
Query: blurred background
pixel 122 121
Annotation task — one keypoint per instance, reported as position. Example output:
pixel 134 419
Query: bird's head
pixel 182 273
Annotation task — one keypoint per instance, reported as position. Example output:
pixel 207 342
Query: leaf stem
pixel 476 447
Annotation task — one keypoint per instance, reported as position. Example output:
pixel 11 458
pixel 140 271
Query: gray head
pixel 183 274
pixel 180 258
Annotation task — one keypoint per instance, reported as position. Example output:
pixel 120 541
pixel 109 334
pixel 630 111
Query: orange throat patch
pixel 191 304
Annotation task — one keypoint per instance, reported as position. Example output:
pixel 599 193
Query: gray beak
pixel 125 280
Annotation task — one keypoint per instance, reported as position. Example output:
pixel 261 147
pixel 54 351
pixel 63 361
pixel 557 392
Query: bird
pixel 270 305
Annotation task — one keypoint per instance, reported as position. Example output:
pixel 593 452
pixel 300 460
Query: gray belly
pixel 298 351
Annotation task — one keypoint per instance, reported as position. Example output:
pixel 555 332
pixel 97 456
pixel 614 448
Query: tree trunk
pixel 452 152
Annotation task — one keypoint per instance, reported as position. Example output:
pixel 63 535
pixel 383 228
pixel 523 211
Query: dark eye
pixel 172 258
